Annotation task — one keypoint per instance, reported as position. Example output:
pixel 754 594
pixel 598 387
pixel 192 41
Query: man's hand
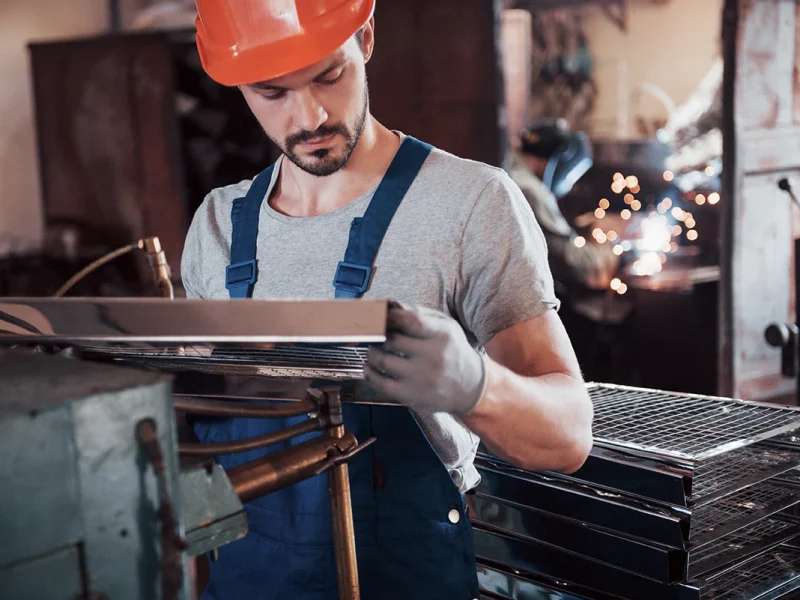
pixel 427 364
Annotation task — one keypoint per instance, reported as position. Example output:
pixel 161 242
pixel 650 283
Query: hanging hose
pixel 93 267
pixel 156 259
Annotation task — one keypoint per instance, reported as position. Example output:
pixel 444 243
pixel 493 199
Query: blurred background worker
pixel 550 160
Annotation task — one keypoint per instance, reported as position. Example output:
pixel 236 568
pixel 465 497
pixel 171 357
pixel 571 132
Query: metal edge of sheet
pixel 660 563
pixel 640 477
pixel 656 524
pixel 150 320
pixel 556 563
pixel 497 582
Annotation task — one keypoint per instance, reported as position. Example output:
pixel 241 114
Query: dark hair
pixel 360 38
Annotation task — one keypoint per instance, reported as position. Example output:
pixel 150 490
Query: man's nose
pixel 309 113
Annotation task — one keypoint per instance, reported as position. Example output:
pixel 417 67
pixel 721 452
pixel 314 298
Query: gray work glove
pixel 426 364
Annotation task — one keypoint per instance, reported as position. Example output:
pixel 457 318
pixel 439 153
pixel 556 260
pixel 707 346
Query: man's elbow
pixel 577 453
pixel 579 442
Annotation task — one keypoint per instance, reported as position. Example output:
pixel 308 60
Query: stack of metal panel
pixel 683 497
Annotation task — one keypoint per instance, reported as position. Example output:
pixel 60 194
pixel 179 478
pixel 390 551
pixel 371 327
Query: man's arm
pixel 527 399
pixel 535 411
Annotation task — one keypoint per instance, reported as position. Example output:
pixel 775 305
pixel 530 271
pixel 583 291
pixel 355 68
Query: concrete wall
pixel 22 21
pixel 671 45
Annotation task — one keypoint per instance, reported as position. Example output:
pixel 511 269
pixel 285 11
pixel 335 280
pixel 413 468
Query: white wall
pixel 671 45
pixel 22 21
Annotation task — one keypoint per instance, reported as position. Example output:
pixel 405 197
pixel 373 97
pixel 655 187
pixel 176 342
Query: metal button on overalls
pixel 454 516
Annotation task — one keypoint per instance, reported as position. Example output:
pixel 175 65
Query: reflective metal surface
pixel 663 525
pixel 661 563
pixel 495 582
pixel 557 563
pixel 142 323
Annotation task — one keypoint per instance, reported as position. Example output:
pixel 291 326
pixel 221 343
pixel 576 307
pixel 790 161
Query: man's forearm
pixel 536 423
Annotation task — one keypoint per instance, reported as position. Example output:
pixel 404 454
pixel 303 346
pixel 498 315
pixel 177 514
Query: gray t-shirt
pixel 464 240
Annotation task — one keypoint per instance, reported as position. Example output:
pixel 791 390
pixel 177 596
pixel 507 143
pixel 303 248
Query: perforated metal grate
pixel 725 471
pixel 682 426
pixel 769 570
pixel 738 509
pixel 292 361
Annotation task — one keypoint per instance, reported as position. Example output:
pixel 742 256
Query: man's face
pixel 316 115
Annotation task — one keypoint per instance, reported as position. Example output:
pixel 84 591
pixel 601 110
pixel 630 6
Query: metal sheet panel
pixel 158 321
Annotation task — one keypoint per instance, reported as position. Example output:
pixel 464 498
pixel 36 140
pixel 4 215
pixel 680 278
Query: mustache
pixel 321 132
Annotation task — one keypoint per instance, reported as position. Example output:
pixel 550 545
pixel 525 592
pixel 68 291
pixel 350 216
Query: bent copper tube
pixel 286 467
pixel 254 443
pixel 225 408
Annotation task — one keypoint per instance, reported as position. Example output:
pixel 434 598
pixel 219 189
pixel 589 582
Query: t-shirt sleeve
pixel 504 276
pixel 191 260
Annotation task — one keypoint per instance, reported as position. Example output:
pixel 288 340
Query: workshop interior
pixel 658 144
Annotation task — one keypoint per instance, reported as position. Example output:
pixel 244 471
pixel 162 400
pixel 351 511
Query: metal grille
pixel 727 470
pixel 738 508
pixel 682 426
pixel 780 567
pixel 750 536
pixel 292 361
pixel 792 476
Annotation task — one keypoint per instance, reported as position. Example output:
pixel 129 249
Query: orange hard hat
pixel 248 41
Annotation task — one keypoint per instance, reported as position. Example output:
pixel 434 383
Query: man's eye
pixel 331 81
pixel 274 95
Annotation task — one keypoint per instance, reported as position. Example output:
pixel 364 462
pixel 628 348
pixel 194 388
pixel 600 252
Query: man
pixel 550 160
pixel 452 240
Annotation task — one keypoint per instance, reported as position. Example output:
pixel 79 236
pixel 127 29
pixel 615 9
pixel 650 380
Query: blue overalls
pixel 413 538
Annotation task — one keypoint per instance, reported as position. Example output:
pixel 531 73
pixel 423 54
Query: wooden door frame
pixel 761 145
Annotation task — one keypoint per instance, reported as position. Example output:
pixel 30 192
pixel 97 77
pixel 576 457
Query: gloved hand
pixel 426 364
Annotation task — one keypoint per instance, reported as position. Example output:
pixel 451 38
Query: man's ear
pixel 369 39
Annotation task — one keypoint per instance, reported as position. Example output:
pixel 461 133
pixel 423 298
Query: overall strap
pixel 242 273
pixel 366 233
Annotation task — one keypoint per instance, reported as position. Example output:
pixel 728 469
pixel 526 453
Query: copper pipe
pixel 254 443
pixel 225 408
pixel 286 467
pixel 158 265
pixel 343 529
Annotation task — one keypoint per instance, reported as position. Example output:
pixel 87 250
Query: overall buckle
pixel 351 277
pixel 241 273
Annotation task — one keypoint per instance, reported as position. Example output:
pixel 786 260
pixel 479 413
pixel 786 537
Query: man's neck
pixel 300 194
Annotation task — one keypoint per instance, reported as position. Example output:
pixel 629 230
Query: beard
pixel 324 162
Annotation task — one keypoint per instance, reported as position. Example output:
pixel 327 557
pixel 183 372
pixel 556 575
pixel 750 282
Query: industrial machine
pixel 90 477
pixel 683 497
pixel 98 430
